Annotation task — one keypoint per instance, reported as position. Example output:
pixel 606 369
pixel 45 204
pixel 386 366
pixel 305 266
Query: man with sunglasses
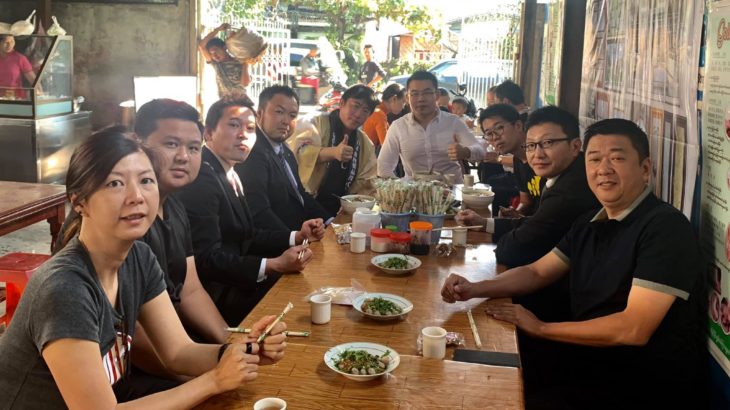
pixel 552 149
pixel 427 140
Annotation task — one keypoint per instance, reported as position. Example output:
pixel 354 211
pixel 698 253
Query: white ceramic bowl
pixel 477 198
pixel 399 301
pixel 331 355
pixel 413 263
pixel 350 203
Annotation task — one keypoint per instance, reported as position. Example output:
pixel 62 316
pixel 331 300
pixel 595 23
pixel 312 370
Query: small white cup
pixel 458 237
pixel 321 308
pixel 270 403
pixel 468 181
pixel 434 342
pixel 357 242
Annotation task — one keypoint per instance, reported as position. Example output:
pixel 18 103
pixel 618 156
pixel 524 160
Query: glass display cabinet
pixel 39 124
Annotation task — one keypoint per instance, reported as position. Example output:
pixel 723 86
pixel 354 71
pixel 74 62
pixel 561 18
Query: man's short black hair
pixel 163 108
pixel 443 92
pixel 619 126
pixel 554 115
pixel 269 92
pixel 510 90
pixel 215 112
pixel 215 42
pixel 370 46
pixel 363 93
pixel 423 75
pixel 503 111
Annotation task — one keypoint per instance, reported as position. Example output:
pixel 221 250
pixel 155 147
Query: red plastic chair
pixel 15 270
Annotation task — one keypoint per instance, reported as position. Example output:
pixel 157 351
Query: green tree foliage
pixel 242 8
pixel 347 19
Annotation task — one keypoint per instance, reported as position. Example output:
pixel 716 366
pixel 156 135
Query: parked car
pixel 453 72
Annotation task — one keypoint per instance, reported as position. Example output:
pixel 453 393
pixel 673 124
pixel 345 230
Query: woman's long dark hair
pixel 90 165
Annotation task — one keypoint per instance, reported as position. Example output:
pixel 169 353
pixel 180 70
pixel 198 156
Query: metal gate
pixel 486 50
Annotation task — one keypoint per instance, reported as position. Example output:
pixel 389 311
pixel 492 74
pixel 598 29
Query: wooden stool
pixel 15 270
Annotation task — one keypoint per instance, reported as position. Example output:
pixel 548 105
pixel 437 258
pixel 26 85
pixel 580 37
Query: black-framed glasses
pixel 544 144
pixel 495 131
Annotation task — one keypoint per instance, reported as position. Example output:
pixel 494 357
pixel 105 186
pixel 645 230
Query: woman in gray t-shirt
pixel 70 339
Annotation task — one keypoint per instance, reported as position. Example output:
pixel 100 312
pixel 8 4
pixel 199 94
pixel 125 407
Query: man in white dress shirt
pixel 428 139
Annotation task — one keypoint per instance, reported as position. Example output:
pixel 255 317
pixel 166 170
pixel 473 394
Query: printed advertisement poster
pixel 715 202
pixel 640 62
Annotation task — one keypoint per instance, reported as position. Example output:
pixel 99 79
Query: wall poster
pixel 640 62
pixel 715 201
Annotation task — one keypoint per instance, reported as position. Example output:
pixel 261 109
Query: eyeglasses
pixel 544 144
pixel 494 132
pixel 425 93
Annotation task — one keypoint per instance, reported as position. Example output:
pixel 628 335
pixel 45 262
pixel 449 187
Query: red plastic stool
pixel 15 270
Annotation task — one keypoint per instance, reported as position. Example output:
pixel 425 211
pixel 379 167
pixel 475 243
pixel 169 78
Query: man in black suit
pixel 237 262
pixel 553 148
pixel 270 175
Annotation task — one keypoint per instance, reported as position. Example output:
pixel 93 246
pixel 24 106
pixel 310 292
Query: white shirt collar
pixel 551 181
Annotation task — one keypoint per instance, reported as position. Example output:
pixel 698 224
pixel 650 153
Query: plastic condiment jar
pixel 401 242
pixel 420 237
pixel 363 220
pixel 380 240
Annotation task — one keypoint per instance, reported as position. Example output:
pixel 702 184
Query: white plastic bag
pixel 24 27
pixel 247 45
pixel 340 295
pixel 56 29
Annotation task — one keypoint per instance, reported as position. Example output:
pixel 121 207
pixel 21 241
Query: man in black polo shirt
pixel 638 295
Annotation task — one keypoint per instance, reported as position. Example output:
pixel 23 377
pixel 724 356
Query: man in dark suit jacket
pixel 270 175
pixel 553 148
pixel 237 262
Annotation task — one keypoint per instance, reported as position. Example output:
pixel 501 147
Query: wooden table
pixel 305 382
pixel 23 204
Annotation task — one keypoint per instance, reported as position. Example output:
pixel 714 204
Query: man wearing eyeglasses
pixel 334 154
pixel 503 127
pixel 553 152
pixel 428 140
pixel 636 336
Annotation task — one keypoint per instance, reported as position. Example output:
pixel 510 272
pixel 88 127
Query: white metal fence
pixel 493 68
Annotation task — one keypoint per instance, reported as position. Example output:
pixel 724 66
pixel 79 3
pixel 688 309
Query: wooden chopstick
pixel 474 329
pixel 288 307
pixel 305 245
pixel 451 228
pixel 248 330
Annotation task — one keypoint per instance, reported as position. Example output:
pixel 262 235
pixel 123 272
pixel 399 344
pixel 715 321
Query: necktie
pixel 289 174
pixel 235 183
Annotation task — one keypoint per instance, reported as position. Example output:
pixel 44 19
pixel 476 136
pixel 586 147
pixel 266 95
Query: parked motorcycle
pixel 330 100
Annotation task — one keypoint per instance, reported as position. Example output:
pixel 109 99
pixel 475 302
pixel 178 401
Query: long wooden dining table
pixel 303 379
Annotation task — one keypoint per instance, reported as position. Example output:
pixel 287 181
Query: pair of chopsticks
pixel 248 330
pixel 305 245
pixel 451 228
pixel 473 325
pixel 286 310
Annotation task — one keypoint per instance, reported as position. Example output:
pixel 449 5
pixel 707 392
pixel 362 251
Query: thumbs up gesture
pixel 458 152
pixel 344 152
